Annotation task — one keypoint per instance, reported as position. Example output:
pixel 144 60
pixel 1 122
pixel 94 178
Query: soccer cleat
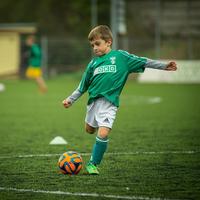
pixel 92 169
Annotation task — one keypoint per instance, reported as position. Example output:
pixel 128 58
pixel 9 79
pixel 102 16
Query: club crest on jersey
pixel 112 60
pixel 105 69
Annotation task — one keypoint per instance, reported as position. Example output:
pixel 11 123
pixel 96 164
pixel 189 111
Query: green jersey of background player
pixel 104 79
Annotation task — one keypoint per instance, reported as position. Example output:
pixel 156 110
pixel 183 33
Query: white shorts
pixel 101 113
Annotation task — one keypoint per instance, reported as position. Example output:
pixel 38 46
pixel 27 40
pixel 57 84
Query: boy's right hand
pixel 66 103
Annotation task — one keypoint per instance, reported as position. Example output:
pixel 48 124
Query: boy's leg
pixel 98 151
pixel 89 129
pixel 41 83
pixel 101 113
pixel 100 145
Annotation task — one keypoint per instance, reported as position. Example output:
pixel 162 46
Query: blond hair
pixel 102 31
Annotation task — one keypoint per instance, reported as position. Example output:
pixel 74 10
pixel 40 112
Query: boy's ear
pixel 109 42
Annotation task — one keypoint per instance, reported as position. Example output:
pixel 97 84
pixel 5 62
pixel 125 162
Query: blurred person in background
pixel 34 70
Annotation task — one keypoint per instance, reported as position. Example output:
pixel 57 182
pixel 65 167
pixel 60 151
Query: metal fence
pixel 64 54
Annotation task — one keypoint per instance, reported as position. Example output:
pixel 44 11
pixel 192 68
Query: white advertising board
pixel 187 72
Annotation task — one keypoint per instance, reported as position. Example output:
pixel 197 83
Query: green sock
pixel 99 149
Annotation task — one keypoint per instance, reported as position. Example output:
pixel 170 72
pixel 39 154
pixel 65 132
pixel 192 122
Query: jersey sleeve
pixel 134 63
pixel 85 81
pixel 155 64
pixel 74 96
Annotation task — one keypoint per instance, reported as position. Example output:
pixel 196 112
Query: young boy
pixel 34 70
pixel 104 78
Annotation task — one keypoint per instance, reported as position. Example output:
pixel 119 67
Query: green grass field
pixel 154 148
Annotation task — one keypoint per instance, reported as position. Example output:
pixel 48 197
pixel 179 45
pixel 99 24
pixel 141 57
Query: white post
pixel 94 16
pixel 44 47
pixel 114 26
pixel 157 30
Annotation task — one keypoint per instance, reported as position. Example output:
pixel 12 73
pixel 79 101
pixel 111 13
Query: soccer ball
pixel 70 163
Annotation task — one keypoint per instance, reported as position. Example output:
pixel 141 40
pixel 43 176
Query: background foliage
pixel 54 17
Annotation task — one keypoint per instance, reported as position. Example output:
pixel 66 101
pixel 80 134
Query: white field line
pixel 109 153
pixel 95 195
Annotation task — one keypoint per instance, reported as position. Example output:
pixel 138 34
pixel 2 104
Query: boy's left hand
pixel 171 66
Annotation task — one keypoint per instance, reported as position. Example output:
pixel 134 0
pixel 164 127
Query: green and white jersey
pixel 106 76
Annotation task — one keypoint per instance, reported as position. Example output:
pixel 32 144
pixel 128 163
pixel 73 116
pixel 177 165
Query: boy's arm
pixel 171 66
pixel 83 86
pixel 72 98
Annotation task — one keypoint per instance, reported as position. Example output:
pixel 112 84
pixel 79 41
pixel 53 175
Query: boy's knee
pixel 89 129
pixel 103 132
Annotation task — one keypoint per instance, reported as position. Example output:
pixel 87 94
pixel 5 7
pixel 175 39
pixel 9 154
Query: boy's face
pixel 29 41
pixel 100 46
